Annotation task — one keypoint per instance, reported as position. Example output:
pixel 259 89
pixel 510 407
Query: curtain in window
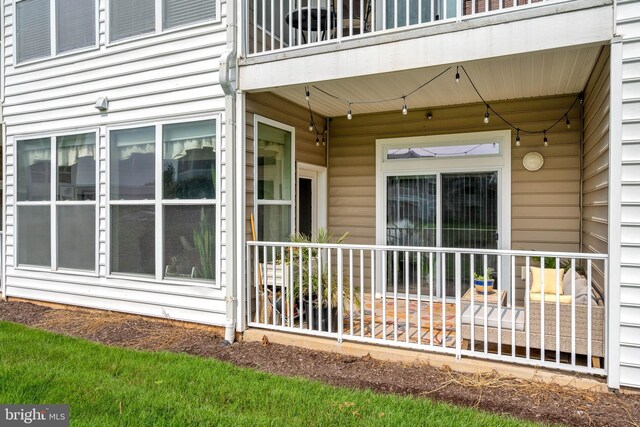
pixel 71 148
pixel 33 29
pixel 75 24
pixel 131 17
pixel 178 149
pixel 183 12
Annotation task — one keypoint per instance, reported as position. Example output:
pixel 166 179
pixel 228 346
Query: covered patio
pixel 445 180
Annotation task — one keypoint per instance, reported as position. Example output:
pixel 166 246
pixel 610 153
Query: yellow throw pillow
pixel 564 299
pixel 550 282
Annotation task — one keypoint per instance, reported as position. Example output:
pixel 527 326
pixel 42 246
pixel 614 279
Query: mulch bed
pixel 525 399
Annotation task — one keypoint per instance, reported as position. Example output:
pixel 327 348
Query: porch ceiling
pixel 538 74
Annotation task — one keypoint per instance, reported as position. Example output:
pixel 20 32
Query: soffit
pixel 537 74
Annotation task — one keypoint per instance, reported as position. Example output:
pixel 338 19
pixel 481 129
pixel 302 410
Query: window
pixel 129 18
pixel 183 12
pixel 71 207
pixel 490 149
pixel 274 184
pixel 182 201
pixel 75 27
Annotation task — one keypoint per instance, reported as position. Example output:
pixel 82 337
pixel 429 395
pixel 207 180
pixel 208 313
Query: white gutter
pixel 228 61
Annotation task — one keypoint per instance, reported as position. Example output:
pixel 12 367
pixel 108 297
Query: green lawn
pixel 115 386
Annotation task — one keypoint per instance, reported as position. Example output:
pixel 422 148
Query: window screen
pixel 182 12
pixel 131 17
pixel 75 24
pixel 33 29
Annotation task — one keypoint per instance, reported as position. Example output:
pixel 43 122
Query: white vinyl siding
pixel 628 26
pixel 183 12
pixel 33 29
pixel 163 77
pixel 75 24
pixel 128 18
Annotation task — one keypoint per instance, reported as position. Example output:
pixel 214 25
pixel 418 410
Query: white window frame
pixel 159 203
pixel 262 202
pixel 53 203
pixel 436 166
pixel 159 28
pixel 54 40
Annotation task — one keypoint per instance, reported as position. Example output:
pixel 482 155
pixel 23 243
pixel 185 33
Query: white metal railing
pixel 281 24
pixel 427 299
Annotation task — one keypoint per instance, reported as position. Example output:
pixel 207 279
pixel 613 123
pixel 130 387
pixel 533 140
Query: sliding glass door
pixel 442 209
pixel 469 220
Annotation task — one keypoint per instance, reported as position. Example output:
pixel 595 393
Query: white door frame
pixel 425 166
pixel 318 177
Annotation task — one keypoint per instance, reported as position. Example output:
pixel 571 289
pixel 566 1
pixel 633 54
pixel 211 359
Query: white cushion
pixel 492 316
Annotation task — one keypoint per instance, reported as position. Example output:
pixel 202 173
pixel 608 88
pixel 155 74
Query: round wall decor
pixel 533 161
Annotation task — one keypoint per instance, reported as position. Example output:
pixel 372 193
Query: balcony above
pixel 382 36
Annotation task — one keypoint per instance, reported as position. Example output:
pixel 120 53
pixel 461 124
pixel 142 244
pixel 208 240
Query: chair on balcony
pixel 366 8
pixel 535 332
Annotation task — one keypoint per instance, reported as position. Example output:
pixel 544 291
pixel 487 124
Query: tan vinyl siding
pixel 275 108
pixel 545 204
pixel 595 163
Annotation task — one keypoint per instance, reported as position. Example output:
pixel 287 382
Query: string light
pixel 312 122
pixel 579 99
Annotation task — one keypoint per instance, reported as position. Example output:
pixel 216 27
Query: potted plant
pixel 319 300
pixel 484 283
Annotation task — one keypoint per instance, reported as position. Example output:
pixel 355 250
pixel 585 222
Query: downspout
pixel 227 80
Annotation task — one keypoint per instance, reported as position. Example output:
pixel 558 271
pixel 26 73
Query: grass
pixel 114 386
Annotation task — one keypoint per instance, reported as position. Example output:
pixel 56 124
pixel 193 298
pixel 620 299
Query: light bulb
pixel 404 106
pixel 429 116
pixel 310 126
pixel 568 123
pixel 517 137
pixel 349 115
pixel 486 117
pixel 457 76
pixel 307 94
pixel 546 141
pixel 317 141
